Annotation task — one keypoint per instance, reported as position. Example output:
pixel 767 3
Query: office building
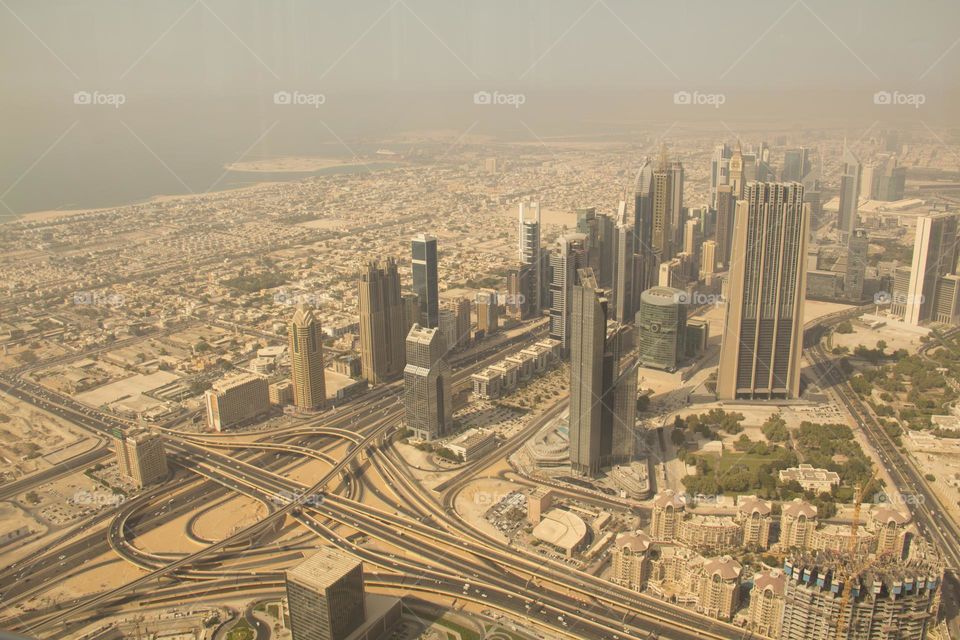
pixel 488 311
pixel 888 598
pixel 708 260
pixel 647 258
pixel 796 165
pixel 425 283
pixel 571 255
pixel 411 311
pixel 763 328
pixel 281 393
pixel 427 401
pixel 661 328
pixel 600 232
pixel 719 171
pixel 848 218
pixel 531 262
pixel 459 308
pixel 236 399
pixel 737 179
pixel 382 322
pixel 325 596
pixel 935 254
pixel 726 215
pixel 624 283
pixel 662 232
pixel 587 345
pixel 889 180
pixel 306 360
pixel 855 265
pixel 141 457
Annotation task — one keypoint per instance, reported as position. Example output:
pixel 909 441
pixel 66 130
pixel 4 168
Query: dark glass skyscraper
pixel 424 250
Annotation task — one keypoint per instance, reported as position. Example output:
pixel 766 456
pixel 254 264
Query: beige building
pixel 755 517
pixel 711 585
pixel 630 560
pixel 141 457
pixel 710 533
pixel 281 393
pixel 306 360
pixel 763 326
pixel 765 615
pixel 562 530
pixel 236 399
pixel 798 521
pixel 538 503
pixel 811 479
pixel 488 311
pixel 836 538
pixel 890 528
pixel 668 510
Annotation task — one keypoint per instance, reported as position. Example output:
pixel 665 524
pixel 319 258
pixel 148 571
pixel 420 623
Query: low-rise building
pixel 472 444
pixel 811 479
pixel 236 399
pixel 562 530
pixel 710 533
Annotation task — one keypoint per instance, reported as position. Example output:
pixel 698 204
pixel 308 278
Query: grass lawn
pixel 241 631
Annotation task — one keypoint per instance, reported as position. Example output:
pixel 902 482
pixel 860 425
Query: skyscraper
pixel 663 209
pixel 306 360
pixel 677 211
pixel 624 280
pixel 737 178
pixel 935 254
pixel 425 284
pixel 719 171
pixel 141 457
pixel 796 165
pixel 662 328
pixel 856 267
pixel 848 219
pixel 763 327
pixel 589 330
pixel 488 311
pixel 570 256
pixel 427 401
pixel 382 324
pixel 530 260
pixel 647 258
pixel 325 596
pixel 726 213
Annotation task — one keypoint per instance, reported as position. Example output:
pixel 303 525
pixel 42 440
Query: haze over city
pixel 410 319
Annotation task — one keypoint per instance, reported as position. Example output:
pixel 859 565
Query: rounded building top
pixel 663 296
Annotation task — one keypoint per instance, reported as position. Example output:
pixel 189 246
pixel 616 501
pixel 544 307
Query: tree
pixel 844 327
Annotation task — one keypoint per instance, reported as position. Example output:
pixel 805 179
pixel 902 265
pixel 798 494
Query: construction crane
pixel 856 568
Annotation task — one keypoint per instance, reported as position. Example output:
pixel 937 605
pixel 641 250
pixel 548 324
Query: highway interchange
pixel 432 550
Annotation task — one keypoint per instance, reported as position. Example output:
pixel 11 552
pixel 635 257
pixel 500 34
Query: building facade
pixel 382 322
pixel 306 360
pixel 427 400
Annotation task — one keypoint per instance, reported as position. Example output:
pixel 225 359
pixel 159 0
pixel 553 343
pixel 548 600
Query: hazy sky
pixel 198 78
pixel 228 46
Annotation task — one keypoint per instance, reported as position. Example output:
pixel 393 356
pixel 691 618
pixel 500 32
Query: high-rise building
pixel 306 360
pixel 763 327
pixel 935 254
pixel 726 215
pixel 570 256
pixel 141 457
pixel 600 232
pixel 488 311
pixel 530 260
pixel 460 308
pixel 889 180
pixel 587 345
pixel 661 328
pixel 848 218
pixel 382 322
pixel 796 165
pixel 325 596
pixel 667 516
pixel 765 615
pixel 427 401
pixel 737 178
pixel 856 265
pixel 719 171
pixel 425 284
pixel 236 399
pixel 624 281
pixel 708 258
pixel 411 311
pixel 663 209
pixel 889 598
pixel 677 210
pixel 648 258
